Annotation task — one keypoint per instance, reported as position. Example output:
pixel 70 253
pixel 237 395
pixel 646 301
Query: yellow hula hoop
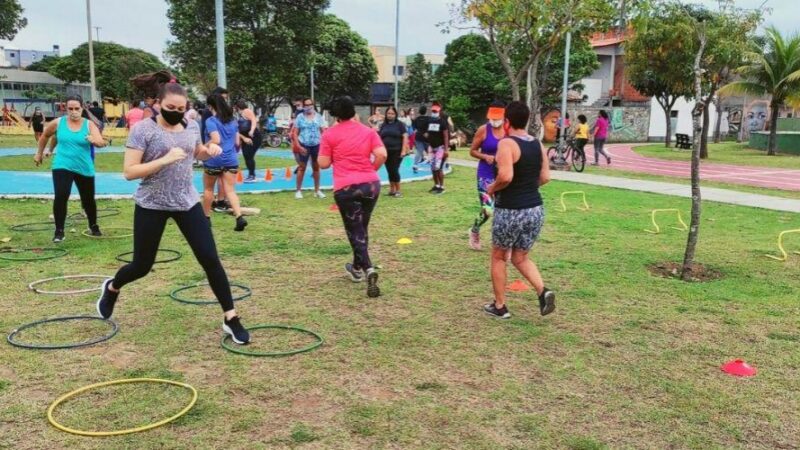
pixel 69 395
pixel 88 234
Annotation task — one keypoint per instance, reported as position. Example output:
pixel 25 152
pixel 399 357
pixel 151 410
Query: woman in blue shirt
pixel 222 129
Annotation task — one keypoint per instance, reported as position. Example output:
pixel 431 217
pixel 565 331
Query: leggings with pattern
pixel 486 201
pixel 356 203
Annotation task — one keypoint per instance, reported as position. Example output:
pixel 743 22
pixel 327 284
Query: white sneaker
pixel 298 195
pixel 319 194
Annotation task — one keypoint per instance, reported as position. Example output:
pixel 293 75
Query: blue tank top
pixel 488 147
pixel 73 151
pixel 523 191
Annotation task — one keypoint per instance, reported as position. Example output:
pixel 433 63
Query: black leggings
pixel 148 227
pixel 249 153
pixel 393 161
pixel 356 203
pixel 62 186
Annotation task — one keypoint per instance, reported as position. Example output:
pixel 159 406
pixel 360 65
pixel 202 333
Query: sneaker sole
pixel 240 229
pixel 549 303
pixel 372 285
pixel 496 316
pixel 227 330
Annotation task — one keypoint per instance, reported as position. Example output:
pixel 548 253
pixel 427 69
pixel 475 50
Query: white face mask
pixel 435 115
pixel 496 123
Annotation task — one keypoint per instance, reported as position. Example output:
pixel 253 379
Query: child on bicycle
pixel 582 133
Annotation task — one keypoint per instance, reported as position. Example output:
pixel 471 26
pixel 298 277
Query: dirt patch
pixel 700 272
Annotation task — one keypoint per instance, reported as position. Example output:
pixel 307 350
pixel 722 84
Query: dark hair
pixel 343 108
pixel 518 114
pixel 221 108
pixel 603 114
pixel 95 104
pixel 158 85
pixel 308 99
pixel 391 108
pixel 74 98
pixel 218 90
pixel 423 109
pixel 241 104
pixel 498 104
pixel 582 118
pixel 567 116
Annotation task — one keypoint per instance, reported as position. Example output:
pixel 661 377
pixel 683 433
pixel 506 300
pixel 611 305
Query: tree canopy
pixel 417 84
pixel 11 19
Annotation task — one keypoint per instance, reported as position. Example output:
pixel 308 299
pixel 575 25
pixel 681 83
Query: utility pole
pixel 92 79
pixel 564 92
pixel 222 80
pixel 312 78
pixel 97 31
pixel 396 55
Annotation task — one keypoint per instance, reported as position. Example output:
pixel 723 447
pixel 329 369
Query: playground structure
pixel 583 195
pixel 658 229
pixel 785 255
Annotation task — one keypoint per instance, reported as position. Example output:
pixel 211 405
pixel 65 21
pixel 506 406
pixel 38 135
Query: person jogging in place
pixel 356 153
pixel 394 135
pixel 222 129
pixel 160 152
pixel 251 138
pixel 522 168
pixel 437 136
pixel 484 148
pixel 73 163
pixel 420 125
pixel 306 134
pixel 600 132
pixel 37 123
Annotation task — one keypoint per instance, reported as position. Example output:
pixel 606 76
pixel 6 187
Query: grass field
pixel 628 360
pixel 724 153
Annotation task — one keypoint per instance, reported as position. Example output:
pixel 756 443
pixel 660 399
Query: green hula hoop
pixel 58 252
pixel 114 329
pixel 308 348
pixel 101 212
pixel 191 301
pixel 37 226
pixel 121 256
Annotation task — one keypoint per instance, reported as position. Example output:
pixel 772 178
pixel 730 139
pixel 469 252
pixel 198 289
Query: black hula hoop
pixel 59 252
pixel 177 256
pixel 37 226
pixel 11 341
pixel 101 212
pixel 307 348
pixel 191 301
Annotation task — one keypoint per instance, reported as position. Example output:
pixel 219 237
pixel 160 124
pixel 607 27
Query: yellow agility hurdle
pixel 658 230
pixel 780 246
pixel 564 205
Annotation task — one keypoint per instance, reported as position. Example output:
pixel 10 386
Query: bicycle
pixel 276 138
pixel 570 152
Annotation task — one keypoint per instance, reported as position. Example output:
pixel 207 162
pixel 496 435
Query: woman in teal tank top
pixel 73 162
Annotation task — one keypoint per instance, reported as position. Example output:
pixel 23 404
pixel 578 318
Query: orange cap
pixel 496 113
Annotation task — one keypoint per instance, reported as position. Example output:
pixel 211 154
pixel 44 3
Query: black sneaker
pixel 439 191
pixel 372 284
pixel 105 304
pixel 236 330
pixel 493 311
pixel 240 224
pixel 58 237
pixel 214 205
pixel 547 302
pixel 222 206
pixel 95 229
pixel 433 190
pixel 356 275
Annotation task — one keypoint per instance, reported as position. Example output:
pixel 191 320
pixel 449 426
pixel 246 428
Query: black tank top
pixel 523 191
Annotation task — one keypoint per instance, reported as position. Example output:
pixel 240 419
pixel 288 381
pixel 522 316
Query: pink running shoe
pixel 474 240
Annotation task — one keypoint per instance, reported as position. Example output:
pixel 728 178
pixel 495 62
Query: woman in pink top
pixel 600 131
pixel 356 153
pixel 134 116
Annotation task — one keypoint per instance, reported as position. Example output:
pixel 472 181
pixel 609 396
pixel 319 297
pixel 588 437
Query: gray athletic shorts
pixel 517 228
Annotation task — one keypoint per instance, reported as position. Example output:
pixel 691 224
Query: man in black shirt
pixel 420 144
pixel 99 114
pixel 437 135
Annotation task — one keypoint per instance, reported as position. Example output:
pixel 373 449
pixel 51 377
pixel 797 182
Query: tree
pixel 469 79
pixel 39 93
pixel 44 65
pixel 417 85
pixel 343 64
pixel 523 32
pixel 11 19
pixel 114 65
pixel 657 57
pixel 582 63
pixel 267 45
pixel 774 72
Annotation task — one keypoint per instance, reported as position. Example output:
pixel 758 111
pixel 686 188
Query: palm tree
pixel 774 72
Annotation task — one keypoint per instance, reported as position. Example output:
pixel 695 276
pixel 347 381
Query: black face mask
pixel 172 117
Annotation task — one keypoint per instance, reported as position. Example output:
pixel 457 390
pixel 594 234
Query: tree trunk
pixel 773 131
pixel 694 227
pixel 704 137
pixel 667 107
pixel 535 123
pixel 718 125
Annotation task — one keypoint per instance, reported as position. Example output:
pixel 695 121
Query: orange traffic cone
pixel 268 175
pixel 288 173
pixel 518 286
pixel 239 177
pixel 333 207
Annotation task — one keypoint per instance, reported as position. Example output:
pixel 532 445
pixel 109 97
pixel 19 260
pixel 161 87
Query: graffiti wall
pixel 628 123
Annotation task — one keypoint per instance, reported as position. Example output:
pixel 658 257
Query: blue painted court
pixel 20 183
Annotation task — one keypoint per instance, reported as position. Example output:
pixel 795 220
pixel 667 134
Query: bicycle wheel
pixel 274 140
pixel 578 160
pixel 552 154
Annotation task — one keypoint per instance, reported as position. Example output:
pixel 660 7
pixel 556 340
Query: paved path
pixel 624 158
pixel 673 189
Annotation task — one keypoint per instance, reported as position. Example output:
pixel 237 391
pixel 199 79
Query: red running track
pixel 624 158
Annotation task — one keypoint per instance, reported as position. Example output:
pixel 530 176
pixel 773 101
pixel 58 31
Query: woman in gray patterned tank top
pixel 159 153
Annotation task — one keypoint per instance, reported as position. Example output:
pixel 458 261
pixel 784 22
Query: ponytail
pixel 158 85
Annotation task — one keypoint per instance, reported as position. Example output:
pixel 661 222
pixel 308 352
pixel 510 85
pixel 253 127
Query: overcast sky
pixel 143 23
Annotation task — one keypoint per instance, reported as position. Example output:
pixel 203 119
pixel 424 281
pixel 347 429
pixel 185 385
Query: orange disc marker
pixel 518 286
pixel 239 177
